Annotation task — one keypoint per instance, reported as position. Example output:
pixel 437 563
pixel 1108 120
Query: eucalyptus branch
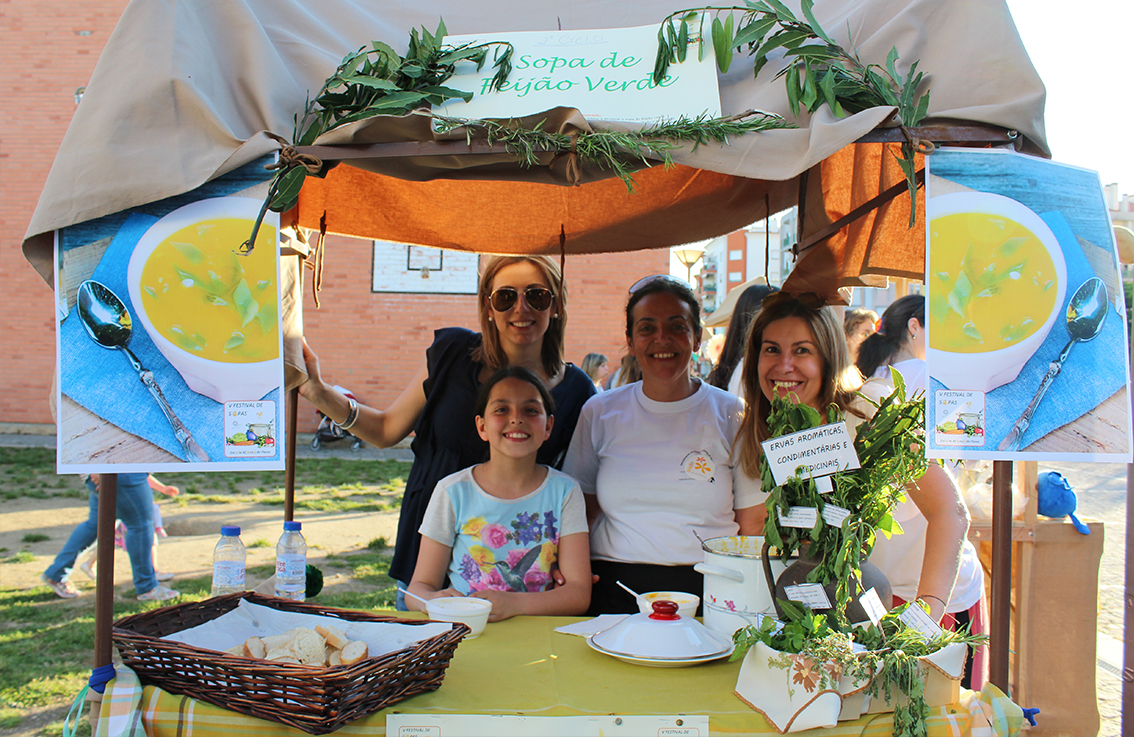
pixel 820 72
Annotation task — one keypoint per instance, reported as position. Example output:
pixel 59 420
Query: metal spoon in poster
pixel 1085 315
pixel 108 322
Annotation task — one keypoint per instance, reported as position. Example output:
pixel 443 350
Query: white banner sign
pixel 606 74
pixel 820 451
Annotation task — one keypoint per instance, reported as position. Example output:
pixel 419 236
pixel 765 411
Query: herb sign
pixel 606 74
pixel 817 451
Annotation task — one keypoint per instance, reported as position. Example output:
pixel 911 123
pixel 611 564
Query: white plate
pixel 659 662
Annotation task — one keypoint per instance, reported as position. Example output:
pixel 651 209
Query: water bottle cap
pixel 230 530
pixel 292 526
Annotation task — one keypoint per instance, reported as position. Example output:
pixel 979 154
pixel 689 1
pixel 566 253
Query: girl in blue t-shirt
pixel 499 529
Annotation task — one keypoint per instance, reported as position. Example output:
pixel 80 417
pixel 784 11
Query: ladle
pixel 108 322
pixel 1085 315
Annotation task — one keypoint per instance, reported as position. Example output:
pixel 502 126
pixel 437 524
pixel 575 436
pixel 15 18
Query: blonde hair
pixel 490 352
pixel 841 380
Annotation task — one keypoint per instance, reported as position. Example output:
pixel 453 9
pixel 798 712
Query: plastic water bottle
pixel 291 563
pixel 228 562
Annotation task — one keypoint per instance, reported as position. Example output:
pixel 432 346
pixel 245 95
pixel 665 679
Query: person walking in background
pixel 597 367
pixel 134 505
pixel 88 559
pixel 858 324
pixel 627 373
pixel 726 374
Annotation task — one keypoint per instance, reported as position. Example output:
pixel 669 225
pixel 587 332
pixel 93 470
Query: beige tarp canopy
pixel 187 91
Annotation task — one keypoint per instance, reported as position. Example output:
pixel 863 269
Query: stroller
pixel 329 432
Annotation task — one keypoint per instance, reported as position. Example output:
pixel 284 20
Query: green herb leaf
pixel 960 294
pixel 246 304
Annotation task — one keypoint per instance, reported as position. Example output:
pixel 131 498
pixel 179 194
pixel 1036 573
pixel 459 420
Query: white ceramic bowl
pixel 218 380
pixel 988 370
pixel 686 603
pixel 645 636
pixel 464 609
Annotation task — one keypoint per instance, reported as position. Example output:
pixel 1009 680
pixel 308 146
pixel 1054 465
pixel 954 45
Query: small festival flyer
pixel 169 342
pixel 1027 329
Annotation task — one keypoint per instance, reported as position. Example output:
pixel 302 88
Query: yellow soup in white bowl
pixel 997 279
pixel 211 311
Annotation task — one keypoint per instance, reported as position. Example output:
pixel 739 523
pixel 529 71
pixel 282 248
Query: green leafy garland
pixel 891 453
pixel 821 72
pixel 376 80
pixel 611 150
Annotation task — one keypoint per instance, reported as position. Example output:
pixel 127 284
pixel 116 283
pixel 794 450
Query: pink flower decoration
pixel 536 580
pixel 494 535
pixel 731 606
pixel 514 556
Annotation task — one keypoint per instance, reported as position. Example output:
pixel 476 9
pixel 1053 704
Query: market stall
pixel 211 114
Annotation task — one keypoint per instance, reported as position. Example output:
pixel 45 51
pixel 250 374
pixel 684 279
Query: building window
pixel 398 267
pixel 735 276
pixel 735 255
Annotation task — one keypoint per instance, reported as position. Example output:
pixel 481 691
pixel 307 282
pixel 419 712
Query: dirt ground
pixel 193 531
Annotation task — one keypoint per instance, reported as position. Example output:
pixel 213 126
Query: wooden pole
pixel 1001 605
pixel 104 575
pixel 292 442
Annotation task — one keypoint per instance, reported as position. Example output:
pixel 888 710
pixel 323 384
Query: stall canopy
pixel 187 91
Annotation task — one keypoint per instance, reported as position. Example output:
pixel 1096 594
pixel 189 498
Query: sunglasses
pixel 657 277
pixel 505 298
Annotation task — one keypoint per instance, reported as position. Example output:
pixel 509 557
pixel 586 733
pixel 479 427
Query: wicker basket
pixel 314 699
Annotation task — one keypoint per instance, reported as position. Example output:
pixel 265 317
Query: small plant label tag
pixel 959 419
pixel 250 429
pixel 811 595
pixel 803 517
pixel 820 451
pixel 872 605
pixel 915 617
pixel 835 515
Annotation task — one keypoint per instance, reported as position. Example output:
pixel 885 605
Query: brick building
pixel 368 341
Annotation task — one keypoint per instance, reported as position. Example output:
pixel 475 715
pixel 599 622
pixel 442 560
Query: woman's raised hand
pixel 314 378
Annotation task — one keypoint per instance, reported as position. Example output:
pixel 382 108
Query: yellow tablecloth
pixel 522 666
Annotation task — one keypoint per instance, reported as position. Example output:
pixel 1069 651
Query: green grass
pixel 259 543
pixel 23 556
pixel 52 640
pixel 35 537
pixel 322 485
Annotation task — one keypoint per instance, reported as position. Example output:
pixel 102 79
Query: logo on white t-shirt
pixel 698 466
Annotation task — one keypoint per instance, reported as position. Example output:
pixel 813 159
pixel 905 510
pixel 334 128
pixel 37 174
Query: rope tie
pixel 290 158
pixel 922 146
pixel 574 168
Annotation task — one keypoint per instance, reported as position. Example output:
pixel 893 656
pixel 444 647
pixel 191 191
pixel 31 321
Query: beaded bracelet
pixel 931 596
pixel 352 415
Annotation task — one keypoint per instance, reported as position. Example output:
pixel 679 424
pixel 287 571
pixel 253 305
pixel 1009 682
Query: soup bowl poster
pixel 1026 338
pixel 169 342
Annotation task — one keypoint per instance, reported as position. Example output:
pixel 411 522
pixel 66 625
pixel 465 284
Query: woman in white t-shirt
pixel 900 346
pixel 653 458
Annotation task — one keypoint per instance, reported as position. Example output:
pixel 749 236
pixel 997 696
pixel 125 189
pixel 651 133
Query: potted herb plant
pixel 891 454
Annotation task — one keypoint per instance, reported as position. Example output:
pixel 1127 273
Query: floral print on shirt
pixel 516 557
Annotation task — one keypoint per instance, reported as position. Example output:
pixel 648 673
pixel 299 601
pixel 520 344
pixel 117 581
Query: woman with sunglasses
pixel 799 350
pixel 652 458
pixel 522 304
